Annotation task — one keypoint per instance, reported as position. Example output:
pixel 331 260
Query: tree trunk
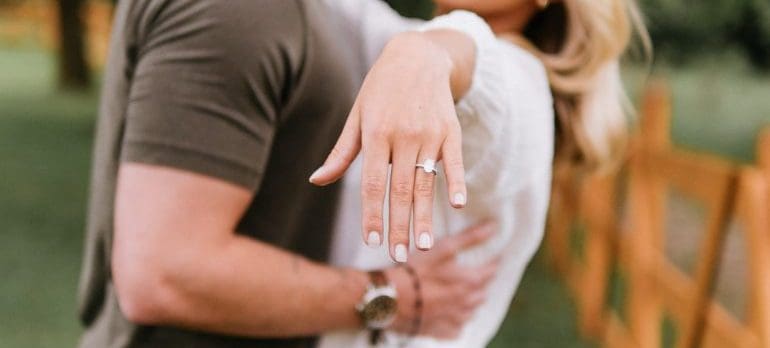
pixel 73 66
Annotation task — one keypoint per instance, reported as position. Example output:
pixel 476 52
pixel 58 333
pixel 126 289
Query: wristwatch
pixel 378 305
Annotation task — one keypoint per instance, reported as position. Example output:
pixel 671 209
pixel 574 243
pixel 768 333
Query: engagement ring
pixel 428 166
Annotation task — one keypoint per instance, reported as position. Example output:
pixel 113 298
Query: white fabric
pixel 508 135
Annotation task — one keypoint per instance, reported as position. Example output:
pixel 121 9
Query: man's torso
pixel 312 93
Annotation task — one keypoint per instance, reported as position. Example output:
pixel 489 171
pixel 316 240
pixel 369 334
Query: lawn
pixel 719 104
pixel 45 142
pixel 45 146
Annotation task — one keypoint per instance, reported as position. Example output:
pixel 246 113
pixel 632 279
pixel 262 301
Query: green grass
pixel 45 147
pixel 719 104
pixel 45 142
pixel 541 315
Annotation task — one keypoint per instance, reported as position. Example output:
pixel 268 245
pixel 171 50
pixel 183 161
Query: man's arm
pixel 177 261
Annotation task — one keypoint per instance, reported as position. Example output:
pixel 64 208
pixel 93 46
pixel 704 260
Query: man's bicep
pixel 163 218
pixel 157 206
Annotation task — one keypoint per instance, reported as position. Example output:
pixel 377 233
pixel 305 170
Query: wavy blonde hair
pixel 580 43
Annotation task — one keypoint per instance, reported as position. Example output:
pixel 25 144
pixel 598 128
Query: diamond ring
pixel 428 166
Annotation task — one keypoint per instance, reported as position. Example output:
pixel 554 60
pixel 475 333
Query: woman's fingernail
pixel 316 174
pixel 459 199
pixel 373 239
pixel 400 251
pixel 424 241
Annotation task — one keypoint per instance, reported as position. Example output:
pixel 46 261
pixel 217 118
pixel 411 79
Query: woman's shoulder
pixel 508 81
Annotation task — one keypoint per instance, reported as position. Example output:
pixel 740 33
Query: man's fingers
pixel 476 235
pixel 374 181
pixel 467 239
pixel 474 299
pixel 423 200
pixel 452 155
pixel 401 196
pixel 486 273
pixel 344 152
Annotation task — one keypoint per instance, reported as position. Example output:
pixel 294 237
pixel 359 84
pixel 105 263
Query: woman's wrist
pixel 450 52
pixel 421 51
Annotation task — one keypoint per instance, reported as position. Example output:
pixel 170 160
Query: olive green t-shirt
pixel 254 92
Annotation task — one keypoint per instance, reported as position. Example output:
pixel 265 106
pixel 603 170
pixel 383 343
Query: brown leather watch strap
pixel 378 278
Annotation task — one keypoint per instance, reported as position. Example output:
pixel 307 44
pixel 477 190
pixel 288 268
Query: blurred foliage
pixel 683 30
pixel 9 2
pixel 413 8
pixel 686 29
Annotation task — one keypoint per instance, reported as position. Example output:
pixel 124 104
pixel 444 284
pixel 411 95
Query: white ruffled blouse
pixel 508 136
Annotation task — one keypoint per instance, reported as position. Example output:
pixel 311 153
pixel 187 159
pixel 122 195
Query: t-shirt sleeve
pixel 207 86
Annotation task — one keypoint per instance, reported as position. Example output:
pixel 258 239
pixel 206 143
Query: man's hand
pixel 404 115
pixel 450 292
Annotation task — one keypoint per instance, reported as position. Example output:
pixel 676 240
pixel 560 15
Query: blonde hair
pixel 580 43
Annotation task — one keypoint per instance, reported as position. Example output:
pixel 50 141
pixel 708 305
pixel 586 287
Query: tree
pixel 753 33
pixel 73 65
pixel 413 8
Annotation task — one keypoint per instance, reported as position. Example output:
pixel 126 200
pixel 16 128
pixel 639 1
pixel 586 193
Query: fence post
pixel 647 202
pixel 757 183
pixel 598 210
pixel 763 151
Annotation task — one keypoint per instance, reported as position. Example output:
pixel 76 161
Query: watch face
pixel 380 311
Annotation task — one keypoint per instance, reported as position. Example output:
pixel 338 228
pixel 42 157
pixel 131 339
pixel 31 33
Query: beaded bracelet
pixel 417 321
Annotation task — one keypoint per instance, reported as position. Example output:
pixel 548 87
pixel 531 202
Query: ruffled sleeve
pixel 509 95
pixel 485 112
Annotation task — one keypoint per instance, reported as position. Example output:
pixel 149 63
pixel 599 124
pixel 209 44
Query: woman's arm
pixel 508 139
pixel 405 115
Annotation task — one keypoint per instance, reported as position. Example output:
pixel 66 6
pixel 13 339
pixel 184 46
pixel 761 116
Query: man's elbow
pixel 143 292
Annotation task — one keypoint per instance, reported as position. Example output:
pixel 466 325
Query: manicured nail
pixel 400 252
pixel 458 199
pixel 373 239
pixel 424 242
pixel 316 174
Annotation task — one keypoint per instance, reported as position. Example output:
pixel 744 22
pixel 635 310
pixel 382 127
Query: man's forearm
pixel 252 288
pixel 176 261
pixel 244 287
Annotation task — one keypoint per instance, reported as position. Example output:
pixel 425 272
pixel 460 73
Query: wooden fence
pixel 607 226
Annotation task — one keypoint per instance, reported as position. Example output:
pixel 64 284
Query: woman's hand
pixel 450 292
pixel 405 115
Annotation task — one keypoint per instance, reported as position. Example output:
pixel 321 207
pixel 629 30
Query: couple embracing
pixel 435 141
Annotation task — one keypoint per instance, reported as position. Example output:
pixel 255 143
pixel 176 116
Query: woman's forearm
pixel 454 50
pixel 462 52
